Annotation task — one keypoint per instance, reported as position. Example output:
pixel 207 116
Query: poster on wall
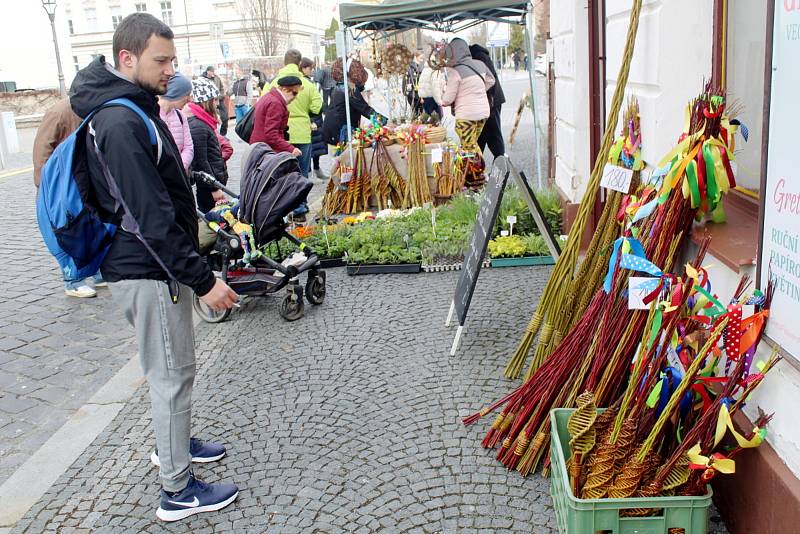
pixel 780 251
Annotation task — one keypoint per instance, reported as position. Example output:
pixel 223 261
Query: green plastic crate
pixel 602 516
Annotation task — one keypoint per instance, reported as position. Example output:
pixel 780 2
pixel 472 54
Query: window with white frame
pixel 75 62
pixel 744 67
pixel 141 6
pixel 116 16
pixel 91 19
pixel 166 12
pixel 71 27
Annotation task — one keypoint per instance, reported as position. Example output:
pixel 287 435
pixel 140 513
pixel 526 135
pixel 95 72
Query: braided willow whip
pixel 581 427
pixel 562 276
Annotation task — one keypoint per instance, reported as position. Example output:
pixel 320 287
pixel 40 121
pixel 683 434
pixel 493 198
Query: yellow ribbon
pixel 725 422
pixel 715 462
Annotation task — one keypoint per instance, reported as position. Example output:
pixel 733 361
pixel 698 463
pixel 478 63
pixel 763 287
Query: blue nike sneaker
pixel 196 498
pixel 202 452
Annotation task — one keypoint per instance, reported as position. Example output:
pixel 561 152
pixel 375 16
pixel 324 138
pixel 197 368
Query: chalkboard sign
pixel 473 258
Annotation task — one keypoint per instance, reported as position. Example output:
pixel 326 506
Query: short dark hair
pixel 292 55
pixel 135 30
pixel 306 62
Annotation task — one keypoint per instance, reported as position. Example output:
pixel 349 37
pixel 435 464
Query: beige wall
pixel 568 30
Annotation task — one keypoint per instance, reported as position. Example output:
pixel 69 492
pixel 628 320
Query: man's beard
pixel 153 89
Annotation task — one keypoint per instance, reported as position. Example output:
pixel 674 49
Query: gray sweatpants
pixel 165 336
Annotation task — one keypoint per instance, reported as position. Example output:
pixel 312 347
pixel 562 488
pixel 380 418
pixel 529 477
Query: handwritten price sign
pixel 616 178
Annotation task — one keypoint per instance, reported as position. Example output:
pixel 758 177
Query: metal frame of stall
pixel 393 16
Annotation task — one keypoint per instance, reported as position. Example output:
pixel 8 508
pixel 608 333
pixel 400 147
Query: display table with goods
pixel 635 331
pixel 430 238
pixel 394 166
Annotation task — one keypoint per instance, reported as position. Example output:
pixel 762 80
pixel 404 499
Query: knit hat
pixel 178 87
pixel 289 81
pixel 203 90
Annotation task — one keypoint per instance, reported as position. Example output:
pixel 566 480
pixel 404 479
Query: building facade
pixel 207 32
pixel 680 44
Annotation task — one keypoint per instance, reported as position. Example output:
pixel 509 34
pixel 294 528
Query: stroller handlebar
pixel 204 177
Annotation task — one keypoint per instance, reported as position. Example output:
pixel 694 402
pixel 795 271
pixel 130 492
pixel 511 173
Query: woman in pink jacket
pixel 466 83
pixel 179 90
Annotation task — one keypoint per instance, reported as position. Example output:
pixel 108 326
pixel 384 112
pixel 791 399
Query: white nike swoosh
pixel 194 504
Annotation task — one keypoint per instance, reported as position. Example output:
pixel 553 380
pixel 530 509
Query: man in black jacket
pixel 153 271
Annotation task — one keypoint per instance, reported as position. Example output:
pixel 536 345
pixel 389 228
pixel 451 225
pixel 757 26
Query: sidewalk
pixel 55 351
pixel 347 420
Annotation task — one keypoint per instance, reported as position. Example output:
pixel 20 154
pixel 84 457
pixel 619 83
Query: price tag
pixel 616 178
pixel 511 220
pixel 637 290
pixel 346 177
pixel 503 233
pixel 436 155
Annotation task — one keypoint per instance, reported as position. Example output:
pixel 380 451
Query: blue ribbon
pixel 668 387
pixel 645 211
pixel 659 173
pixel 636 250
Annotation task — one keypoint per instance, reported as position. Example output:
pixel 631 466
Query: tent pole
pixel 347 98
pixel 531 63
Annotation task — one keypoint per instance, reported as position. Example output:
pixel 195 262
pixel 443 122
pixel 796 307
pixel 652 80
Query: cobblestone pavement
pixel 55 351
pixel 346 420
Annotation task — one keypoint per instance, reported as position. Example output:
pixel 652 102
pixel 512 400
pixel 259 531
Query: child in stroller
pixel 271 187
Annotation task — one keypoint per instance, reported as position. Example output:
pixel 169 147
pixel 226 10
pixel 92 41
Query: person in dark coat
pixel 318 146
pixel 492 133
pixel 333 127
pixel 222 102
pixel 207 151
pixel 322 76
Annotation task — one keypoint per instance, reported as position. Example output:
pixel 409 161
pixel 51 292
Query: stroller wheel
pixel 292 307
pixel 207 314
pixel 315 288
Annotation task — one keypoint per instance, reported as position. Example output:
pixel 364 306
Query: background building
pixel 207 32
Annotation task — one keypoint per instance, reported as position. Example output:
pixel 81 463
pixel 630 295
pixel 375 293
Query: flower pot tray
pixel 408 268
pixel 524 261
pixel 330 263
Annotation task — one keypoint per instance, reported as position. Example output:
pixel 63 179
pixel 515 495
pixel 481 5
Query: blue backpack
pixel 71 228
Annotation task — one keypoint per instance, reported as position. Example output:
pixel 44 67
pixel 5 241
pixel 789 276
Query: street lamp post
pixel 50 7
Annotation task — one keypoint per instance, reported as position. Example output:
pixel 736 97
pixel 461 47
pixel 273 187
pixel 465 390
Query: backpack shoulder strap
pixel 155 139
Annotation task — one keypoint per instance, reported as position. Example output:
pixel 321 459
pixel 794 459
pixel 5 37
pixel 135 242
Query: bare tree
pixel 479 34
pixel 266 25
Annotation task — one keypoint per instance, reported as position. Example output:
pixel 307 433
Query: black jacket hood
pixel 99 82
pixel 484 56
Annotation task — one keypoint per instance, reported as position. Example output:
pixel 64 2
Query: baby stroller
pixel 271 187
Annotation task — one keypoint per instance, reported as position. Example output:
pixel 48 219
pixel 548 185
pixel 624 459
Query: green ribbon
pixel 656 328
pixel 694 187
pixel 711 177
pixel 720 309
pixel 616 150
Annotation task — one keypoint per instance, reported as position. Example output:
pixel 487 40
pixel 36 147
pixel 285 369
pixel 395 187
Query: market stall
pixel 414 162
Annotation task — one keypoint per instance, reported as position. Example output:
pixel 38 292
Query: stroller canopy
pixel 272 186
